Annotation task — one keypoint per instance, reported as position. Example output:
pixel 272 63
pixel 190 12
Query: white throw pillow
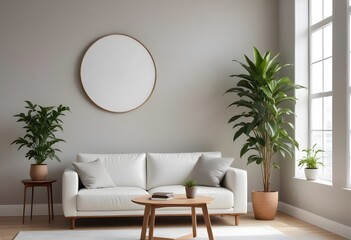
pixel 93 174
pixel 210 171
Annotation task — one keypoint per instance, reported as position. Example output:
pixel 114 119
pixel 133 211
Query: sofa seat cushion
pixel 109 199
pixel 222 197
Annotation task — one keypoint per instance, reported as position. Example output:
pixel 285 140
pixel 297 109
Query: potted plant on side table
pixel 311 161
pixel 264 97
pixel 41 124
pixel 190 188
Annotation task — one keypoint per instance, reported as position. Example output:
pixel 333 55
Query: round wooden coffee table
pixel 177 201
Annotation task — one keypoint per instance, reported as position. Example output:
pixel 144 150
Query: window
pixel 321 82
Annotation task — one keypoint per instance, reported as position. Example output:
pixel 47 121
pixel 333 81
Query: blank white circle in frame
pixel 118 73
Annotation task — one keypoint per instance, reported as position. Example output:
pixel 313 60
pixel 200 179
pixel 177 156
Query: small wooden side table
pixel 28 183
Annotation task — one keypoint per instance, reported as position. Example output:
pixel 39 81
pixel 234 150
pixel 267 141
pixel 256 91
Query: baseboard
pixel 38 209
pixel 42 209
pixel 329 225
pixel 249 207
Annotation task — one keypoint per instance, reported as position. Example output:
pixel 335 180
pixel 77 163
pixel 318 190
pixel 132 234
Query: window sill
pixel 323 182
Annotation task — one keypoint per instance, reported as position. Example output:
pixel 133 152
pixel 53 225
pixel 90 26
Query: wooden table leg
pixel 49 207
pixel 145 222
pixel 52 202
pixel 24 204
pixel 207 221
pixel 31 204
pixel 193 219
pixel 237 220
pixel 152 223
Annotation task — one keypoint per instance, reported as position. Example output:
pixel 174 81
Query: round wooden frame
pixel 118 73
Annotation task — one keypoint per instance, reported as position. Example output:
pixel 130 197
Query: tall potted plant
pixel 264 97
pixel 41 124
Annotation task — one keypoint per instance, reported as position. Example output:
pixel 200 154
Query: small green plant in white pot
pixel 311 162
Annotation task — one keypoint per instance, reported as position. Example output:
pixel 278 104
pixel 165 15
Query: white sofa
pixel 141 173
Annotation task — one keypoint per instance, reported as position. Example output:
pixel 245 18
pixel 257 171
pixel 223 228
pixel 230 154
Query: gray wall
pixel 193 44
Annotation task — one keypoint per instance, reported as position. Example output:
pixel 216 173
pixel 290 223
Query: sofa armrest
pixel 70 182
pixel 236 181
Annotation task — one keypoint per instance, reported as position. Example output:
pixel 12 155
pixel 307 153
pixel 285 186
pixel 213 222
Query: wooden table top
pixel 30 181
pixel 177 201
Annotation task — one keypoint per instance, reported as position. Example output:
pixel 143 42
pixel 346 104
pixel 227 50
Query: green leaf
pixel 239 124
pixel 245 84
pixel 245 149
pixel 254 158
pixel 242 103
pixel 257 56
pixel 250 127
pixel 272 86
pixel 271 128
pixel 266 91
pixel 239 133
pixel 231 90
pixel 234 118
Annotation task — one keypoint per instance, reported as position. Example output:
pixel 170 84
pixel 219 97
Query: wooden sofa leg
pixel 237 220
pixel 73 223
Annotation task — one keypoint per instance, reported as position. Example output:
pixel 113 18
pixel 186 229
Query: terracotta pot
pixel 311 173
pixel 265 205
pixel 190 192
pixel 38 172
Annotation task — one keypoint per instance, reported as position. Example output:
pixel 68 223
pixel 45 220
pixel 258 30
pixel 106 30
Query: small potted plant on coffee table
pixel 311 161
pixel 190 188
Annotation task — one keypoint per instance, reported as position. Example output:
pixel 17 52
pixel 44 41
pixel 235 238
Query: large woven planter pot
pixel 265 205
pixel 38 172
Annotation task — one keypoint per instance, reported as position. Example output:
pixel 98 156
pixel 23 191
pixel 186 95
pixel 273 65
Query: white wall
pixel 193 43
pixel 329 202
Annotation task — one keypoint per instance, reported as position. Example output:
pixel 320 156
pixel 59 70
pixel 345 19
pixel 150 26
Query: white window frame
pixel 348 163
pixel 313 28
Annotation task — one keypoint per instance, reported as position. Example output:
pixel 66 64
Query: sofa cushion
pixel 126 170
pixel 210 171
pixel 172 168
pixel 109 199
pixel 93 174
pixel 222 197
